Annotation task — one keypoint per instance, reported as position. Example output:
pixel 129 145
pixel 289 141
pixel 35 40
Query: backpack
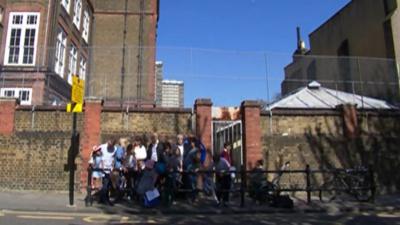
pixel 282 201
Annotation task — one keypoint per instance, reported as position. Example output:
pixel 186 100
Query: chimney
pixel 301 47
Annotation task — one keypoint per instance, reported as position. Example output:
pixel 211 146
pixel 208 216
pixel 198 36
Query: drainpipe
pixel 33 117
pixel 46 31
pixel 123 54
pixel 140 54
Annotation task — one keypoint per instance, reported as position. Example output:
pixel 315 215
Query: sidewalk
pixel 58 202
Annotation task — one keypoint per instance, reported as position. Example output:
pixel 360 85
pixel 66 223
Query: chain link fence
pixel 129 75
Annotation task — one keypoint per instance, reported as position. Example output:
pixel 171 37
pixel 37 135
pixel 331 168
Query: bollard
pixel 88 199
pixel 308 181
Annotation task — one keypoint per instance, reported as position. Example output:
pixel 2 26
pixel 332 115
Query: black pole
pixel 88 199
pixel 242 185
pixel 308 184
pixel 71 160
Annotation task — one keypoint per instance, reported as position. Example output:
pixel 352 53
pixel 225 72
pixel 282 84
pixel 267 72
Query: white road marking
pixel 75 214
pixel 97 219
pixel 389 215
pixel 46 217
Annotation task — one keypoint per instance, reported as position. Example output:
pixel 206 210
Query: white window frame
pixel 16 94
pixel 66 4
pixel 86 26
pixel 77 13
pixel 23 27
pixel 73 59
pixel 61 46
pixel 82 68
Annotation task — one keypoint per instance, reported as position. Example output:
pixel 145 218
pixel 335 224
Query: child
pixel 174 167
pixel 96 162
pixel 130 170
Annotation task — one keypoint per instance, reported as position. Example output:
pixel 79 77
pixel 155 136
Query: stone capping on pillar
pixel 94 99
pixel 203 102
pixel 251 104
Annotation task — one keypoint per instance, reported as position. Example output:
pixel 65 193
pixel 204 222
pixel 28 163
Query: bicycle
pixel 264 191
pixel 351 181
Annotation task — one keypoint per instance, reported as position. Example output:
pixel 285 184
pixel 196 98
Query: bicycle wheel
pixel 328 192
pixel 361 189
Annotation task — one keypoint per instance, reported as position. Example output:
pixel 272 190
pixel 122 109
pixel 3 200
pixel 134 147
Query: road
pixel 47 218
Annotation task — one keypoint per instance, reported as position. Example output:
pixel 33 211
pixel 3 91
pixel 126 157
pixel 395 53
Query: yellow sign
pixel 78 90
pixel 72 107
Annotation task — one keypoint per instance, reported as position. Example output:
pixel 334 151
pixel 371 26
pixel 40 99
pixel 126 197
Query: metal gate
pixel 231 132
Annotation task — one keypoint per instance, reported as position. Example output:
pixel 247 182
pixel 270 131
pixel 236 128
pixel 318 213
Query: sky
pixel 234 50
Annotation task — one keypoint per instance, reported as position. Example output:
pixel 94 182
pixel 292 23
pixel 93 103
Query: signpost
pixel 76 105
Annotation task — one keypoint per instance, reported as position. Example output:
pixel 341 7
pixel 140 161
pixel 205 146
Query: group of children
pixel 162 167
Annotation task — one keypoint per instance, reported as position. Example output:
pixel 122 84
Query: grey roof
pixel 317 97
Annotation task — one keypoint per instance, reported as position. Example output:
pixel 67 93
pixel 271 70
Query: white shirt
pixel 107 157
pixel 154 156
pixel 181 150
pixel 140 152
pixel 131 162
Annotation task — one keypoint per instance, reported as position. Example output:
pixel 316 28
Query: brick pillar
pixel 251 127
pixel 7 115
pixel 202 109
pixel 91 133
pixel 350 121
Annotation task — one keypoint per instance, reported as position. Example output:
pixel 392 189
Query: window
pixel 77 13
pixel 21 39
pixel 60 53
pixel 23 94
pixel 86 26
pixel 8 93
pixel 73 55
pixel 66 4
pixel 82 68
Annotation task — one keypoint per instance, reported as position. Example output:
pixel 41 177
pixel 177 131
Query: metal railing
pixel 307 181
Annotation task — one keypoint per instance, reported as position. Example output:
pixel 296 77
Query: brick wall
pixel 319 141
pixel 34 161
pixel 168 123
pixel 34 147
pixel 45 120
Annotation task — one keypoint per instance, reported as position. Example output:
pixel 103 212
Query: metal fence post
pixel 89 200
pixel 308 188
pixel 242 185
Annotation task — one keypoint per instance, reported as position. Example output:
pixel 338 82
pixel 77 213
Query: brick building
pixel 124 38
pixel 43 43
pixel 366 29
pixel 110 44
